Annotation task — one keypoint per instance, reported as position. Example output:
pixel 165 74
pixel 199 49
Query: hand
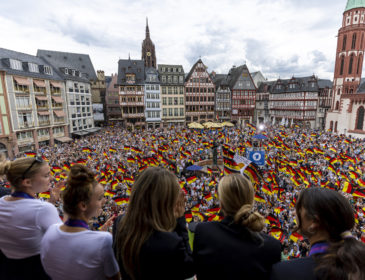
pixel 180 205
pixel 108 223
pixel 55 192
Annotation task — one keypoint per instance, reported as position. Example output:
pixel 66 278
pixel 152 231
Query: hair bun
pixel 79 173
pixel 250 218
pixel 5 167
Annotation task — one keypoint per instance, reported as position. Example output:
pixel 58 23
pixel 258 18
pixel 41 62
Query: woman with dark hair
pixel 151 239
pixel 24 219
pixel 234 248
pixel 70 250
pixel 326 218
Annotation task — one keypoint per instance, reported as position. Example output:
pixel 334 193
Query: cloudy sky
pixel 280 38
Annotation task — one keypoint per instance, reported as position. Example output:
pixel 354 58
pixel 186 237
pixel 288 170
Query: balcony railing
pixel 59 120
pixel 43 123
pixel 44 107
pixel 26 124
pixel 133 115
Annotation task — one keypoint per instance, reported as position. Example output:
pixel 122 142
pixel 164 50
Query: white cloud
pixel 278 37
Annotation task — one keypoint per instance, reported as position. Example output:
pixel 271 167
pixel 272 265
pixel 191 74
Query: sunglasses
pixel 37 159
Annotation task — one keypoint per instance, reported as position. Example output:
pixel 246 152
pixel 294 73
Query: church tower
pixel 148 50
pixel 349 53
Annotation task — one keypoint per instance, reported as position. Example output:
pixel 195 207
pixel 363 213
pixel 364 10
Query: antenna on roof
pixel 129 56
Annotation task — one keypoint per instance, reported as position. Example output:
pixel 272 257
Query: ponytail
pixel 249 218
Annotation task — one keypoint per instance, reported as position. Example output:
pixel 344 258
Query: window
pixel 23 102
pixel 165 112
pixel 181 100
pixel 353 44
pixel 350 64
pixel 181 111
pixel 344 42
pixel 164 101
pixel 33 67
pixel 360 118
pixel 170 112
pixel 358 64
pixel 176 112
pixel 342 64
pixel 24 135
pixel 170 100
pixel 25 119
pixel 16 64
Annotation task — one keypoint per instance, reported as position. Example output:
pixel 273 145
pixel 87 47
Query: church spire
pixel 147 29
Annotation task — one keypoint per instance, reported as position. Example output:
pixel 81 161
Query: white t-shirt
pixel 23 223
pixel 78 255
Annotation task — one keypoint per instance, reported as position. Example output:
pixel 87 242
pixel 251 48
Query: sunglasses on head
pixel 37 159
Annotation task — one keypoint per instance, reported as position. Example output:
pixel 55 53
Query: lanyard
pixel 318 248
pixel 22 194
pixel 76 223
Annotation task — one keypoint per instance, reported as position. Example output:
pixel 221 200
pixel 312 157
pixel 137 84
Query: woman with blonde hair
pixel 70 250
pixel 234 248
pixel 24 219
pixel 151 239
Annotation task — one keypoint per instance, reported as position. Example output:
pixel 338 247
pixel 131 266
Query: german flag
pixel 347 188
pixel 354 175
pixel 277 233
pixel 295 237
pixel 121 169
pixel 209 170
pixel 332 149
pixel 45 194
pixel 103 181
pixel 266 189
pixel 208 197
pixel 200 215
pixel 128 180
pixel 318 151
pixel 66 167
pixel 126 148
pixel 259 198
pixel 112 150
pixel 251 126
pixel 45 158
pixel 273 220
pixel 191 179
pixel 359 193
pixel 214 217
pixel 252 173
pixel 109 193
pixel 30 154
pixel 131 160
pixel 212 182
pixel 56 169
pixel 295 181
pixel 86 150
pixel 114 184
pixel 278 210
pixel 121 200
pixel 361 182
pixel 331 168
pixel 63 176
pixel 188 217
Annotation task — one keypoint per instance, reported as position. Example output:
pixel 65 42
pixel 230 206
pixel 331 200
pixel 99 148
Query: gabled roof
pixel 235 73
pixel 266 86
pixel 192 69
pixel 219 79
pixel 129 66
pixel 6 54
pixel 323 83
pixel 75 61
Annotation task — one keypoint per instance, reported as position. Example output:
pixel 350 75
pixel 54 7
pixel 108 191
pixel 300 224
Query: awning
pixel 56 84
pixel 39 83
pixel 59 113
pixel 57 99
pixel 42 98
pixel 64 139
pixel 80 133
pixel 43 113
pixel 94 129
pixel 22 81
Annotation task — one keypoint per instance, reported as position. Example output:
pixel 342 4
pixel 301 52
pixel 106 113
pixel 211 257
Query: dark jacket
pixel 297 269
pixel 225 250
pixel 165 255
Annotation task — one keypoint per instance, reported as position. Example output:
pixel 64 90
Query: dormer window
pixel 73 72
pixel 130 78
pixel 16 64
pixel 278 86
pixel 66 71
pixel 47 70
pixel 33 67
pixel 80 74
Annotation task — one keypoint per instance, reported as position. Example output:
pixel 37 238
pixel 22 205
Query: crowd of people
pixel 297 160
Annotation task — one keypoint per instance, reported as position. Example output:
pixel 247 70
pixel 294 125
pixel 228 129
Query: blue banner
pixel 257 157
